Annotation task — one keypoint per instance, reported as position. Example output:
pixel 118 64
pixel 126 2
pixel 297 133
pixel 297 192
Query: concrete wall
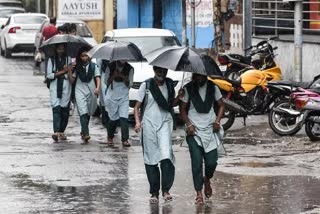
pixel 127 14
pixel 285 59
pixel 172 17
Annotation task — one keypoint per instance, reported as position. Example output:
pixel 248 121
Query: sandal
pixel 207 188
pixel 167 197
pixel 55 137
pixel 199 200
pixel 126 143
pixel 86 138
pixel 154 199
pixel 62 136
pixel 110 141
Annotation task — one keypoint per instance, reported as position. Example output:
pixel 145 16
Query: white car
pixel 6 12
pixel 148 40
pixel 19 32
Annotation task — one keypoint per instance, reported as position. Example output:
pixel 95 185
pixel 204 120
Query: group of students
pixel 154 118
pixel 154 115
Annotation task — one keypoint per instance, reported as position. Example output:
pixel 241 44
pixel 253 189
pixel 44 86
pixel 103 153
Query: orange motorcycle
pixel 249 94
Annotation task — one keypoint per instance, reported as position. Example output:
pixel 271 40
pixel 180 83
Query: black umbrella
pixel 116 50
pixel 184 59
pixel 73 44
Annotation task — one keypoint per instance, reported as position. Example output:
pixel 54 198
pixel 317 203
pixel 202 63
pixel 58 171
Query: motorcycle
pixel 288 123
pixel 249 95
pixel 233 65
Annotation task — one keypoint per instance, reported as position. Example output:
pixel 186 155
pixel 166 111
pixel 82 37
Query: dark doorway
pixel 157 13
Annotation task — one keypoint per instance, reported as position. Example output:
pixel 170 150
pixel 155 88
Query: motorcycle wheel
pixel 281 124
pixel 312 130
pixel 228 119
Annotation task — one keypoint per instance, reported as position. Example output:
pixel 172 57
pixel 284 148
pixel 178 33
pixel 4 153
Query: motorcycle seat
pixel 290 83
pixel 316 90
pixel 242 59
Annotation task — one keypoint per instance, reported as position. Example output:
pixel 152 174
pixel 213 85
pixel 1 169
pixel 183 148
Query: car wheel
pixel 7 52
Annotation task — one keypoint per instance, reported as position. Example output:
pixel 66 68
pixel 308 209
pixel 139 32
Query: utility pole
pixel 298 40
pixel 38 6
pixel 193 23
pixel 217 25
pixel 247 24
pixel 47 8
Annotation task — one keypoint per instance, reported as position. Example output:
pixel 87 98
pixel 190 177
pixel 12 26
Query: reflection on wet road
pixel 262 172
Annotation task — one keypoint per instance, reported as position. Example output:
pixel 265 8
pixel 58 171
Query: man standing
pixel 50 30
pixel 119 79
pixel 197 111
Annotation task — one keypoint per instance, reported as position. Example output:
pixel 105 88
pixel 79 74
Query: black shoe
pixel 55 137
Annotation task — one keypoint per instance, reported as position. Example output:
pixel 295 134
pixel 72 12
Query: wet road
pixel 262 172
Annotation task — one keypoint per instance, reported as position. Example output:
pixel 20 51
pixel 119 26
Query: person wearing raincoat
pixel 119 79
pixel 60 90
pixel 86 77
pixel 156 99
pixel 203 125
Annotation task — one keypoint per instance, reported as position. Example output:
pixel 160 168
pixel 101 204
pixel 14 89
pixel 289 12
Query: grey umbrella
pixel 73 44
pixel 184 59
pixel 116 50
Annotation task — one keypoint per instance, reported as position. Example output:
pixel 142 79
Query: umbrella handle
pixel 182 81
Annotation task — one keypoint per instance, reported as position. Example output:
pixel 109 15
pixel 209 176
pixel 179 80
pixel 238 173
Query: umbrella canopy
pixel 184 59
pixel 116 50
pixel 73 44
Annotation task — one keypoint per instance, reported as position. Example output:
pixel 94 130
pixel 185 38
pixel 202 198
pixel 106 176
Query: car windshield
pixel 29 19
pixel 150 43
pixel 82 29
pixel 6 13
pixel 11 4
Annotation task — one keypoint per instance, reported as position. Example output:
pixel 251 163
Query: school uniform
pixel 85 86
pixel 156 134
pixel 117 100
pixel 60 92
pixel 203 145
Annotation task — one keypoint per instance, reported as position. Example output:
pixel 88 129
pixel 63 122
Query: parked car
pixel 19 32
pixel 83 30
pixel 11 3
pixel 6 12
pixel 148 40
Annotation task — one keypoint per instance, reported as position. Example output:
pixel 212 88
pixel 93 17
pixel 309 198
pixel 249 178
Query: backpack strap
pixel 145 99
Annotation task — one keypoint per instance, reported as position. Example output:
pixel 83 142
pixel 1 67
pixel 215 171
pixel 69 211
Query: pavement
pixel 261 173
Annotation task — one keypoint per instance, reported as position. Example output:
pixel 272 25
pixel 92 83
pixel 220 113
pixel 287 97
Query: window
pixel 276 17
pixel 29 19
pixel 151 43
pixel 6 13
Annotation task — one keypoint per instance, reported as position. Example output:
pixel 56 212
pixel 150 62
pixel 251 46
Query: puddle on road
pixel 232 194
pixel 255 164
pixel 5 119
